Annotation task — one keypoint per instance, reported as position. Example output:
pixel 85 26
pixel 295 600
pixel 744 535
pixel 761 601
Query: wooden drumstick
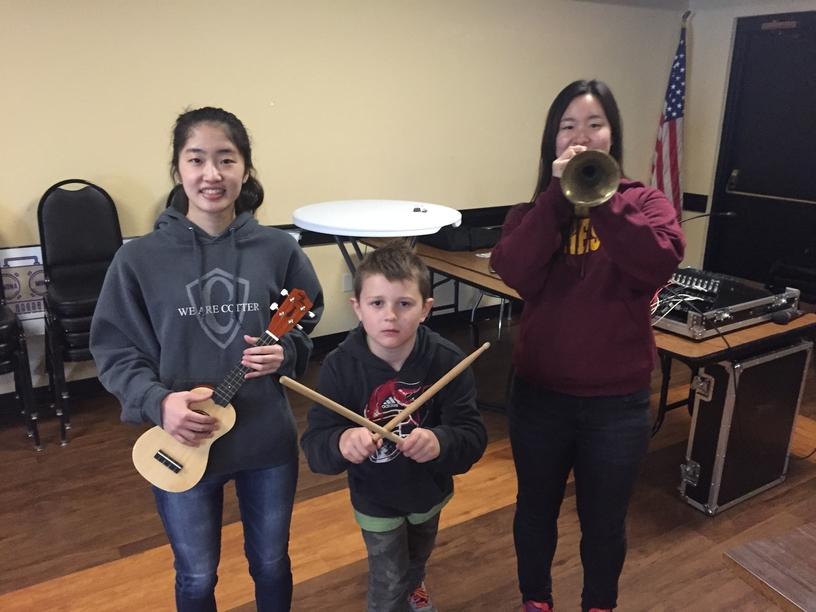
pixel 332 405
pixel 433 390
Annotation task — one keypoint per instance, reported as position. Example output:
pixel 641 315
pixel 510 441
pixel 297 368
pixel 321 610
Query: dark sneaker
pixel 536 606
pixel 420 601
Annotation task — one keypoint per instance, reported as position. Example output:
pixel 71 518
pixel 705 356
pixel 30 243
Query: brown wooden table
pixel 469 267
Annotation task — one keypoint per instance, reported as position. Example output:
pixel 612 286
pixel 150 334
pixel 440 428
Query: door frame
pixel 745 27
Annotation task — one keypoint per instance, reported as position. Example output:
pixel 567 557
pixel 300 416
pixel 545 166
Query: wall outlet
pixel 347 282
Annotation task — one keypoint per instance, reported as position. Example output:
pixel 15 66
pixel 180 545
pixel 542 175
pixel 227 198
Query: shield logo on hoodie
pixel 215 297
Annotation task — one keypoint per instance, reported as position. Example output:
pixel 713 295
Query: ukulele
pixel 172 466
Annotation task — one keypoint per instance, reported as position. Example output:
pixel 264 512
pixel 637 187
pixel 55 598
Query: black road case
pixel 741 428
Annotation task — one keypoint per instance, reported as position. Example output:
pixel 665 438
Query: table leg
pixel 357 249
pixel 344 252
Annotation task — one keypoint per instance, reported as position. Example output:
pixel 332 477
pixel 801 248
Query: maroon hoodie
pixel 586 326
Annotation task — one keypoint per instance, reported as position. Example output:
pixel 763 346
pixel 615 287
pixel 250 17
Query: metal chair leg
pixel 502 303
pixel 56 379
pixel 501 318
pixel 23 390
pixel 32 425
pixel 474 328
pixel 475 307
pixel 24 396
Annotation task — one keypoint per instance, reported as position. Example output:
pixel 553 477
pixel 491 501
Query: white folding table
pixel 352 219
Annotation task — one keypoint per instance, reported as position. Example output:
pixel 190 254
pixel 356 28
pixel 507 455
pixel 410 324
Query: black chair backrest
pixel 77 226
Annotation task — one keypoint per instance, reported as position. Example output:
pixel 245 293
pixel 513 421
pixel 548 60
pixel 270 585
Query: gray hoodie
pixel 172 314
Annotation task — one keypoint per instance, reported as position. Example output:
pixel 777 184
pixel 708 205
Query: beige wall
pixel 440 101
pixel 437 100
pixel 433 100
pixel 710 39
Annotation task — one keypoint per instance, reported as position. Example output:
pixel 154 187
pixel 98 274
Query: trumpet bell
pixel 590 179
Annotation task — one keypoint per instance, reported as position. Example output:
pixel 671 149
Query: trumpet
pixel 590 179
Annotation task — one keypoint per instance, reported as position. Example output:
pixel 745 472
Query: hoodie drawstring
pixel 198 262
pixel 235 269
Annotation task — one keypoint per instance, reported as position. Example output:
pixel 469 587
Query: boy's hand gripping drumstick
pixel 432 390
pixel 332 405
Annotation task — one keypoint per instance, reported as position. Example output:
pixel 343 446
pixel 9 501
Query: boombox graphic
pixel 24 285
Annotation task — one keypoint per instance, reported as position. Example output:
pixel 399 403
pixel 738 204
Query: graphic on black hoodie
pixel 384 403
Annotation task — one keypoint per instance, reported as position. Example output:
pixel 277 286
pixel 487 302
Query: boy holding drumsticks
pixel 397 489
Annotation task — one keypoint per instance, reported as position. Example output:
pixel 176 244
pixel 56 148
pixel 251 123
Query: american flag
pixel 668 155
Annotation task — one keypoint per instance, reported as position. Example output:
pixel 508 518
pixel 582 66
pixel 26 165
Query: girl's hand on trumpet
pixel 562 160
pixel 356 444
pixel 421 445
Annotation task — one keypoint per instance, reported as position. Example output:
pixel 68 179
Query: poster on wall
pixel 23 281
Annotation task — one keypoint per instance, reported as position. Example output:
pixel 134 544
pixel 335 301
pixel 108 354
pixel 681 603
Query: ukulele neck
pixel 226 390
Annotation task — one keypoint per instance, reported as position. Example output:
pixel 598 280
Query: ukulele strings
pixel 224 392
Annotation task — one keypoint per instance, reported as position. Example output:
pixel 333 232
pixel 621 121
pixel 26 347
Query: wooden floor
pixel 781 567
pixel 78 530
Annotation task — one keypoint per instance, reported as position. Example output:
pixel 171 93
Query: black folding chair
pixel 79 235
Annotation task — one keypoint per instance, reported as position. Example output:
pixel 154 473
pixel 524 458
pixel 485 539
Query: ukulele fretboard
pixel 225 391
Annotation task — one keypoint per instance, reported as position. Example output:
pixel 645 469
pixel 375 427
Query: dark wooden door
pixel 766 172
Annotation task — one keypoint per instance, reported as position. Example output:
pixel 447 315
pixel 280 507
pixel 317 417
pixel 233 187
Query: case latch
pixel 703 385
pixel 722 316
pixel 690 473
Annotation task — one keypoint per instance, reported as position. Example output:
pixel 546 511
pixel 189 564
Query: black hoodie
pixel 388 484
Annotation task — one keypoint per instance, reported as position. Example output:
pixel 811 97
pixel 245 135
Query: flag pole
pixel 668 152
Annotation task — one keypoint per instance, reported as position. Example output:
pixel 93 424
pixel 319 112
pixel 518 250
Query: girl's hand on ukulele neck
pixel 261 360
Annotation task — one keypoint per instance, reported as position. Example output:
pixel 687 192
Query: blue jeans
pixel 192 520
pixel 603 440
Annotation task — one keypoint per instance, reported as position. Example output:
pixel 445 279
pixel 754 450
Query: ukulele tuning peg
pixel 299 327
pixel 311 315
pixel 284 292
pixel 273 306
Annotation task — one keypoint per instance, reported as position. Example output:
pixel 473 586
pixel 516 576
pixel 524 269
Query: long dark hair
pixel 601 91
pixel 252 193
